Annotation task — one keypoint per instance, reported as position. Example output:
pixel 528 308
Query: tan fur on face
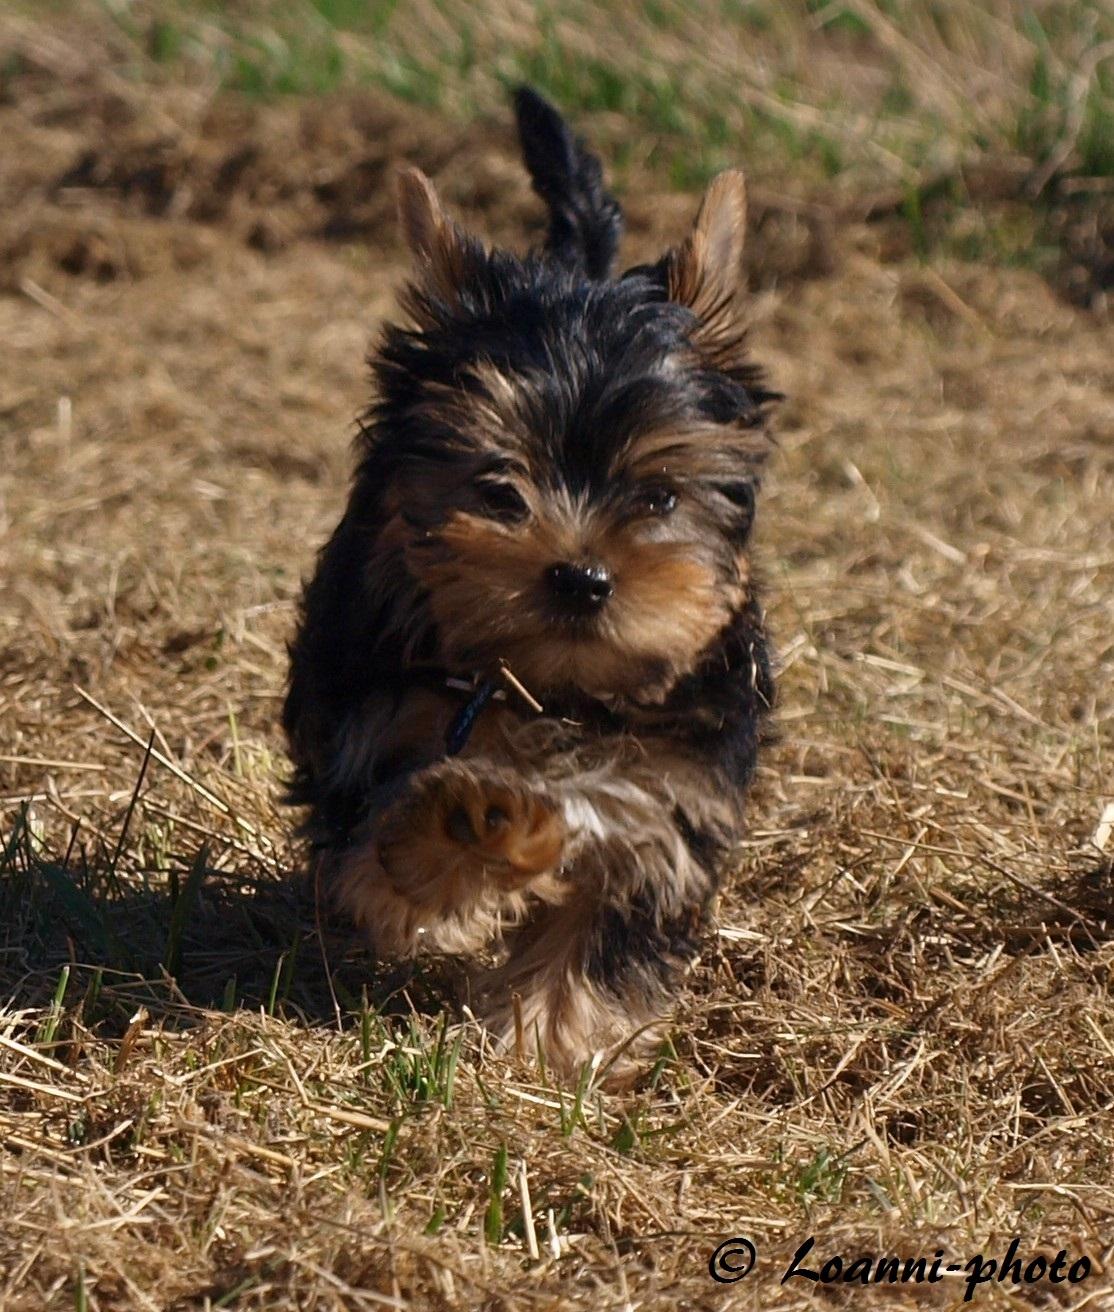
pixel 487 595
pixel 483 581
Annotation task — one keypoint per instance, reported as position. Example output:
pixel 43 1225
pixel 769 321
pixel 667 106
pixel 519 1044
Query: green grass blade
pixel 183 909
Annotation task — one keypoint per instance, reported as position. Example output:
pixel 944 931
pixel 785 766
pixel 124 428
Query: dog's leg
pixel 450 858
pixel 597 972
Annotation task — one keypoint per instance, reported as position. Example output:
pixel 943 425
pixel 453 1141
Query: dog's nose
pixel 579 588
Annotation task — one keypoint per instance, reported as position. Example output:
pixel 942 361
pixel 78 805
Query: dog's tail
pixel 585 221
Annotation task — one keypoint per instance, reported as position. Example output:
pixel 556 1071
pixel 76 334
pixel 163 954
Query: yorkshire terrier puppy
pixel 530 676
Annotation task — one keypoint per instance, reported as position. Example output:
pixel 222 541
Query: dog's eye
pixel 500 500
pixel 657 500
pixel 742 495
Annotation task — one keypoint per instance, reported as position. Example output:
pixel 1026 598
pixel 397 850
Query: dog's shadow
pixel 187 940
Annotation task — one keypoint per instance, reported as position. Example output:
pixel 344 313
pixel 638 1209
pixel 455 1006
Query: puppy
pixel 530 675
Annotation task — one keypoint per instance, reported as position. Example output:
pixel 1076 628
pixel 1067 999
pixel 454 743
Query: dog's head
pixel 569 462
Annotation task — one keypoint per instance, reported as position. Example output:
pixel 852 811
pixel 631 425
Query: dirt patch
pixel 112 180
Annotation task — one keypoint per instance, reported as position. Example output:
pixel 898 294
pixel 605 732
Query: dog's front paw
pixel 512 832
pixel 459 826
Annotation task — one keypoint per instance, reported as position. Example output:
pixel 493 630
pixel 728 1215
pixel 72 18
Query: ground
pixel 900 1038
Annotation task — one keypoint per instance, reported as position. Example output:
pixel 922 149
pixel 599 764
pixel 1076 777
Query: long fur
pixel 585 220
pixel 534 411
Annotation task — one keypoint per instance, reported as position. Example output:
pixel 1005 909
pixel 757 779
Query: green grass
pixel 183 928
pixel 871 90
pixel 838 102
pixel 834 101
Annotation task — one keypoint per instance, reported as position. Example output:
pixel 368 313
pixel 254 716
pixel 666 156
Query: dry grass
pixel 903 1036
pixel 868 89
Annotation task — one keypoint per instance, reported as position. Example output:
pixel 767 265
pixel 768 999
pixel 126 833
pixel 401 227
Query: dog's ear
pixel 445 255
pixel 705 271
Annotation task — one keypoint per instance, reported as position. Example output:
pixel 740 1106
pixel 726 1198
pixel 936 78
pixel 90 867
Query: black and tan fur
pixel 557 478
